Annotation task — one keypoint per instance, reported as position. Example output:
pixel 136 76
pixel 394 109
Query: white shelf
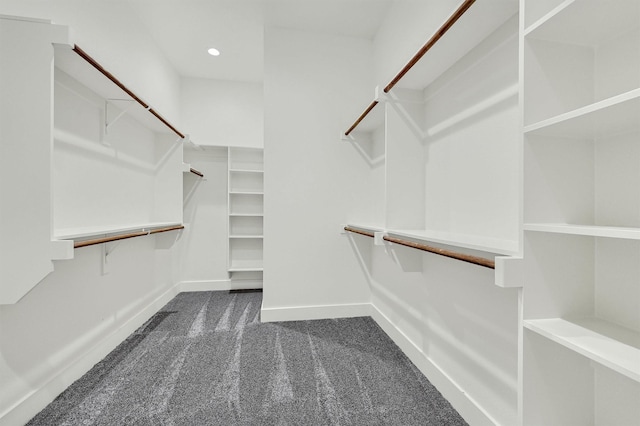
pixel 366 227
pixel 618 114
pixel 245 171
pixel 473 242
pixel 598 21
pixel 608 344
pixel 246 192
pixel 246 215
pixel 246 269
pixel 238 265
pixel 476 24
pixel 94 231
pixel 589 230
pixel 246 236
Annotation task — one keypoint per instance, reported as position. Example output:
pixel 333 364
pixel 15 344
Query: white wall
pixel 223 113
pixel 312 178
pixel 407 26
pixel 112 34
pixel 204 243
pixel 74 317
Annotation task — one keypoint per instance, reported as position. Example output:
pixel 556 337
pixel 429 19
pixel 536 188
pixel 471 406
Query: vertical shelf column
pixel 246 208
pixel 581 305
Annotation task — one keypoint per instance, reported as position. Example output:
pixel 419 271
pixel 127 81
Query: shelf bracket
pixel 108 123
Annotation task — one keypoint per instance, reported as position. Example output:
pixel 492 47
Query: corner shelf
pixel 590 338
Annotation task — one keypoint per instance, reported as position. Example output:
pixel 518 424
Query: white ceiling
pixel 185 29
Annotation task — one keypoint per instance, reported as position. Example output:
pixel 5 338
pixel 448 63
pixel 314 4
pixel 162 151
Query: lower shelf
pixel 245 269
pixel 615 347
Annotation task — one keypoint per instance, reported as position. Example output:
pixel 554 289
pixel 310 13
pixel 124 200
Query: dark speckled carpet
pixel 205 359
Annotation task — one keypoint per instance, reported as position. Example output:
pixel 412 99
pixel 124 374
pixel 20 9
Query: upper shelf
pixel 75 62
pixel 467 26
pixel 476 24
pixel 618 114
pixel 599 21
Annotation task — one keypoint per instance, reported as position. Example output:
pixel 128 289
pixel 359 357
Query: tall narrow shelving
pixel 581 313
pixel 246 199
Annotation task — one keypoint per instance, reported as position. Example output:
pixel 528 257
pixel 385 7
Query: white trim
pixel 204 285
pixel 469 409
pixel 219 285
pixel 33 402
pixel 300 313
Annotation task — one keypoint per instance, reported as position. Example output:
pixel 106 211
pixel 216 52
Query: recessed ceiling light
pixel 213 52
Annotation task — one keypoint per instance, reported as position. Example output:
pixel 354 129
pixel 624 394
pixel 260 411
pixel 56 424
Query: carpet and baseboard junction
pixel 206 359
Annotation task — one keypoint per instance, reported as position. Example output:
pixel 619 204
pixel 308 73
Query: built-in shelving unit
pixel 104 162
pixel 99 123
pixel 246 201
pixel 581 307
pixel 445 171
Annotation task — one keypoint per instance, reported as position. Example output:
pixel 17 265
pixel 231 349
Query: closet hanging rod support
pixel 476 260
pixel 431 42
pixel 108 123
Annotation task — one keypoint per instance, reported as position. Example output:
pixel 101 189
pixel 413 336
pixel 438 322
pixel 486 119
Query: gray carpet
pixel 205 359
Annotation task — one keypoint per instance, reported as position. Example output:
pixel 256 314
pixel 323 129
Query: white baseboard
pixel 300 313
pixel 32 403
pixel 204 285
pixel 466 406
pixel 219 285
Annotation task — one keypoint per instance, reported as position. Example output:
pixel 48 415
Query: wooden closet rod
pixel 84 55
pixel 78 244
pixel 196 172
pixel 432 41
pixel 362 116
pixel 357 231
pixel 414 60
pixel 442 252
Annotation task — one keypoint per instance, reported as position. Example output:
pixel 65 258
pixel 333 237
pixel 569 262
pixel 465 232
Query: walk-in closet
pixel 314 212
